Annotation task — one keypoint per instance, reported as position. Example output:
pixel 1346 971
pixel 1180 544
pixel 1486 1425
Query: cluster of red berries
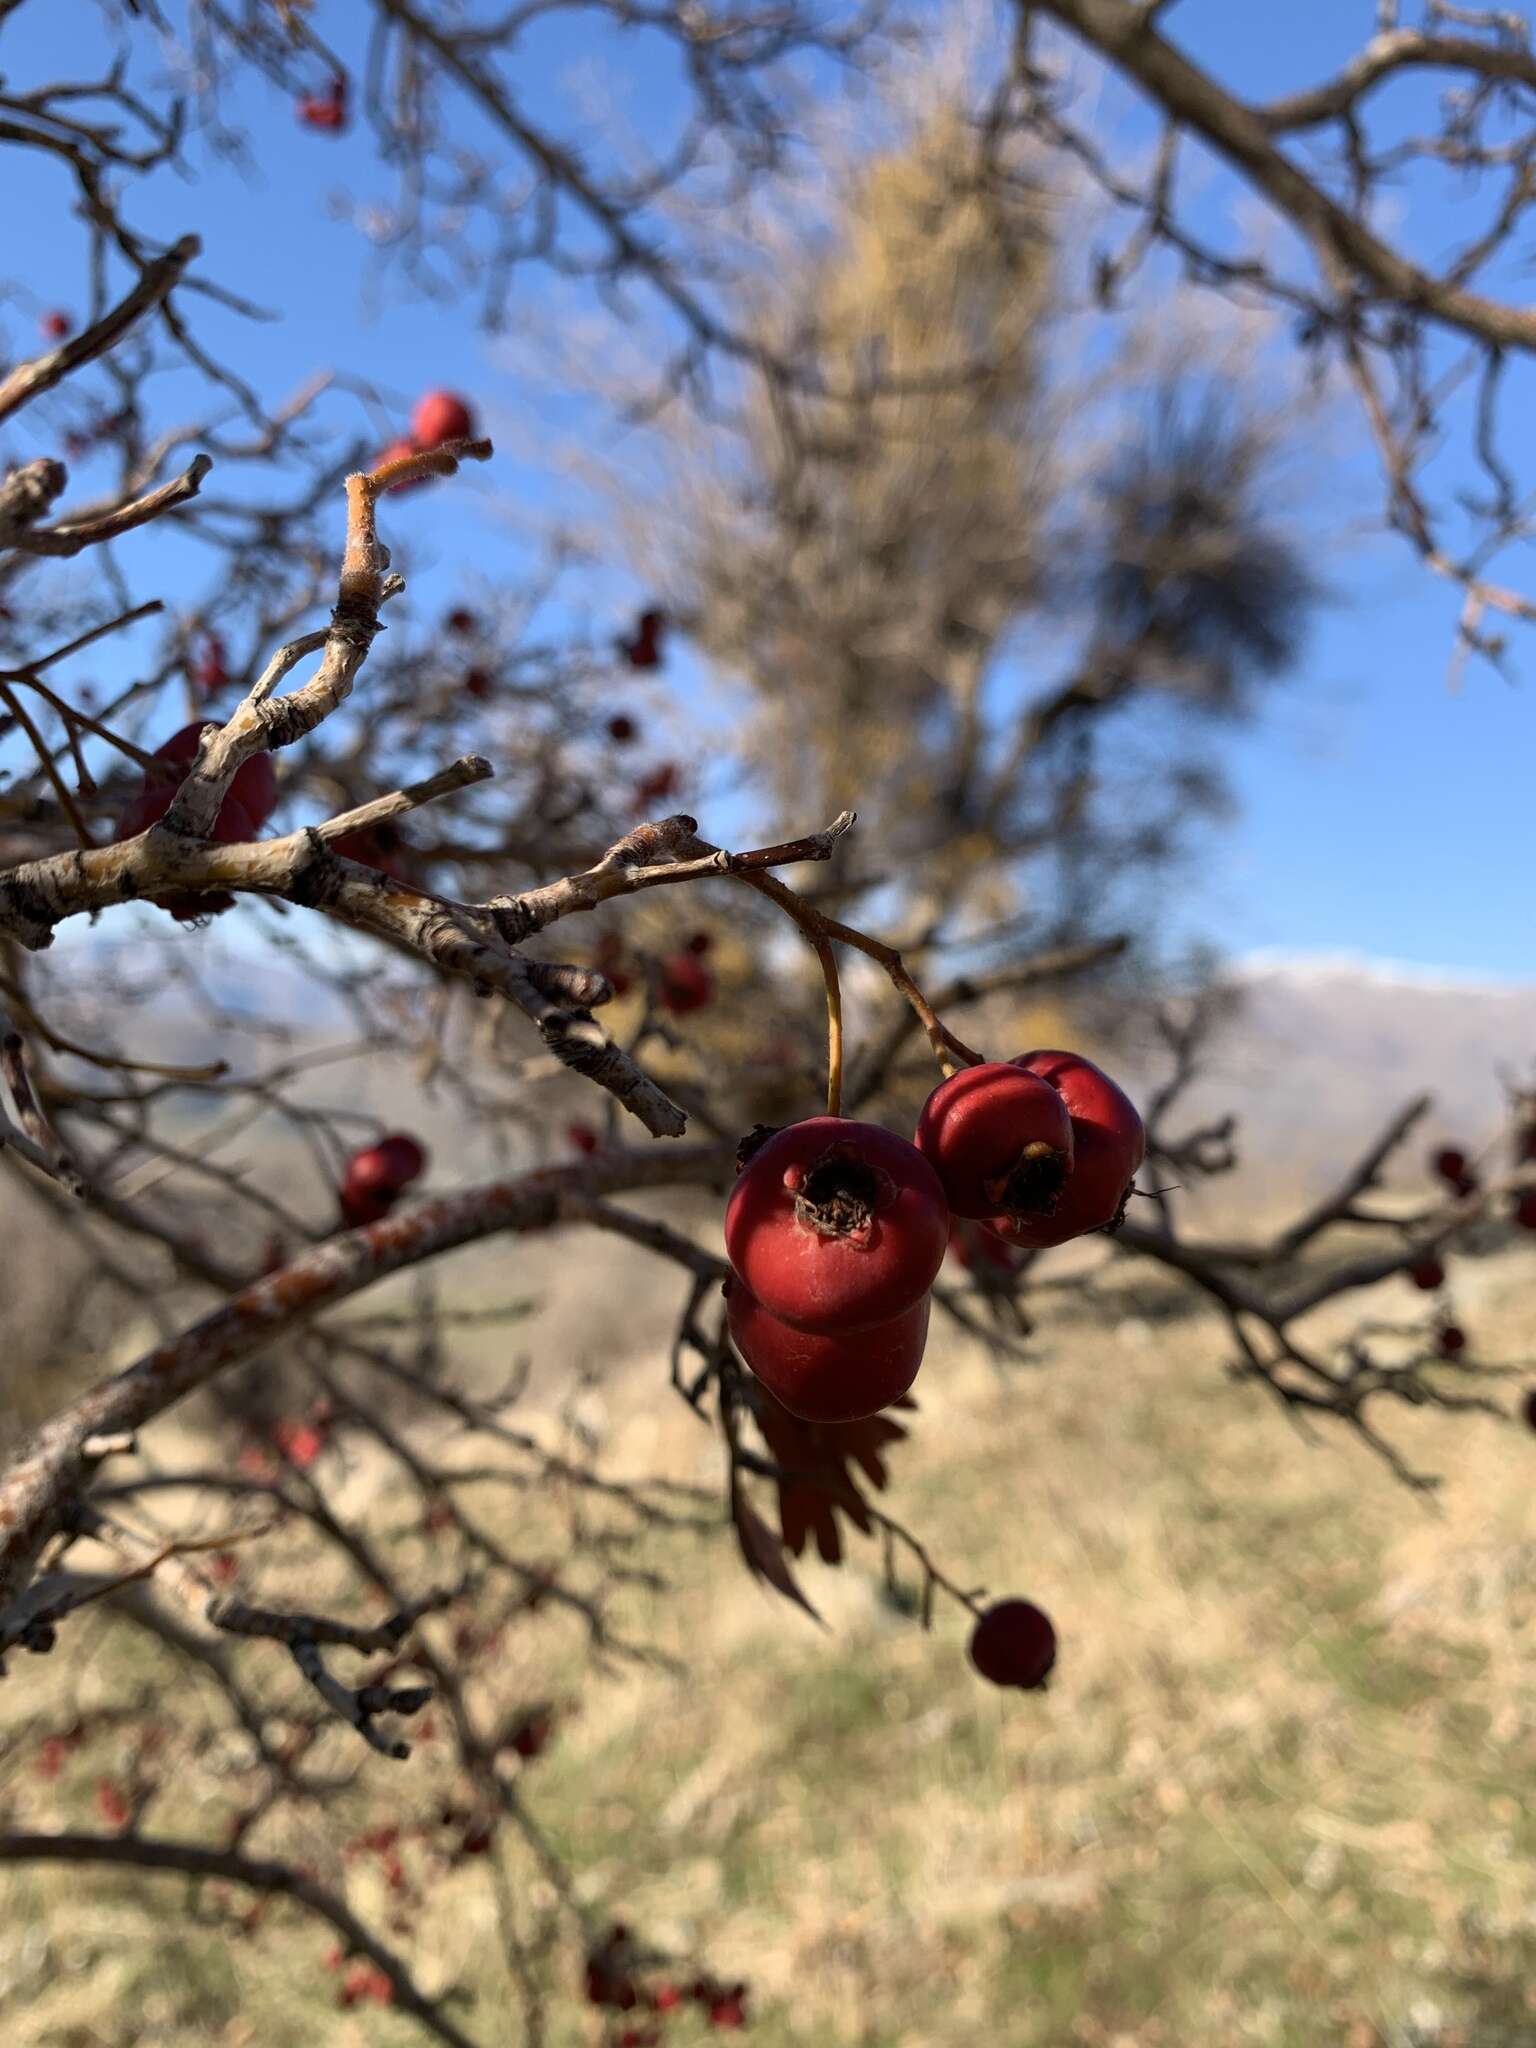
pixel 326 110
pixel 835 1230
pixel 377 1176
pixel 248 803
pixel 439 417
pixel 683 983
pixel 612 1982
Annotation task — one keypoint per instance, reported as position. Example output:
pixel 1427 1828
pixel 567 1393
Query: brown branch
pixel 265 1875
pixel 1236 131
pixel 159 279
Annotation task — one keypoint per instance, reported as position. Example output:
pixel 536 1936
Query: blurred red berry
pixel 325 111
pixel 111 1803
pixel 441 416
pixel 1452 1341
pixel 1014 1644
pixel 654 788
pixel 684 985
pixel 582 1137
pixel 622 729
pixel 57 325
pixel 1525 1210
pixel 210 674
pixel 461 620
pixel 1427 1274
pixel 478 684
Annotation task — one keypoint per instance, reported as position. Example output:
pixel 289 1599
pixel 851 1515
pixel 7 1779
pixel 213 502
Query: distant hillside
pixel 1324 1050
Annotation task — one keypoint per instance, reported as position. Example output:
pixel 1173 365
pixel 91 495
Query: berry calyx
pixel 1014 1644
pixel 1109 1142
pixel 836 1225
pixel 828 1376
pixel 1000 1140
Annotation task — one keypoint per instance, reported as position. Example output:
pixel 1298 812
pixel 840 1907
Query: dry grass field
pixel 1280 1791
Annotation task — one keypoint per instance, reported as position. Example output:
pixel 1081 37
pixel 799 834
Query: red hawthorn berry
pixel 666 1997
pixel 530 1737
pixel 973 1244
pixel 1525 1210
pixel 375 846
pixel 253 786
pixel 299 1442
pixel 728 2011
pixel 1452 1341
pixel 57 325
pixel 397 451
pixel 387 1166
pixel 582 1137
pixel 441 416
pixel 622 729
pixel 231 828
pixel 698 943
pixel 685 984
pixel 51 1755
pixel 1000 1140
pixel 111 1803
pixel 639 2037
pixel 461 620
pixel 1427 1273
pixel 828 1375
pixel 1014 1644
pixel 478 684
pixel 1108 1144
pixel 357 1210
pixel 661 783
pixel 209 672
pixel 325 111
pixel 836 1225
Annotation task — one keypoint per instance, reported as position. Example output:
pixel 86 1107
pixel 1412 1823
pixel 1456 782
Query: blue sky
pixel 1381 813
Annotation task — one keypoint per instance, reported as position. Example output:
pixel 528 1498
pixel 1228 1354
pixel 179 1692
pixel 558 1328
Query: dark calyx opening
pixel 842 1193
pixel 1034 1186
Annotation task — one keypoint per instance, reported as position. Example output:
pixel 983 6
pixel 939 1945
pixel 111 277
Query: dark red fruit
pixel 374 846
pixel 828 1376
pixel 1000 1140
pixel 326 111
pixel 387 1167
pixel 209 673
pixel 1452 1341
pixel 662 782
pixel 1108 1144
pixel 1528 1408
pixel 684 985
pixel 1014 1644
pixel 621 729
pixel 1525 1210
pixel 698 943
pixel 972 1244
pixel 441 416
pixel 231 828
pixel 836 1225
pixel 477 683
pixel 253 788
pixel 1450 1163
pixel 1427 1274
pixel 583 1137
pixel 461 620
pixel 57 326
